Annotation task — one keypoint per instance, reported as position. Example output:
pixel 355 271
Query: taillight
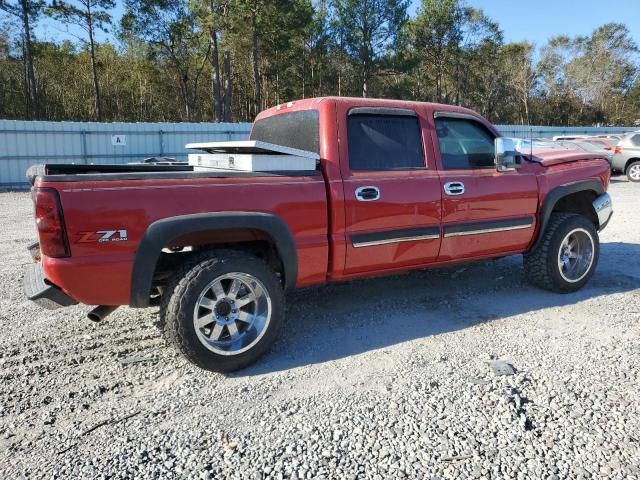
pixel 617 149
pixel 50 223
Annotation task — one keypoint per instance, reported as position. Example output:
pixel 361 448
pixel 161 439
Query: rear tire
pixel 567 255
pixel 223 310
pixel 633 172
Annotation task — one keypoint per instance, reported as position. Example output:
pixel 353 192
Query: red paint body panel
pixel 320 210
pixel 408 199
pixel 134 205
pixel 549 158
pixel 489 195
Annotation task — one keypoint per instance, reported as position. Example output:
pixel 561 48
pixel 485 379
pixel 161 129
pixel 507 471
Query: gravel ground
pixel 384 378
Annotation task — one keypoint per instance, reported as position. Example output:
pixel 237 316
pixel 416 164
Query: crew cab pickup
pixel 398 185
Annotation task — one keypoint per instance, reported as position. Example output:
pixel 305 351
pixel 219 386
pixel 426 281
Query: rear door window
pixel 384 142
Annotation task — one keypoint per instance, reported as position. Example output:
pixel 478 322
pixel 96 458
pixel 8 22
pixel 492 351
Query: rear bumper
pixel 38 290
pixel 604 209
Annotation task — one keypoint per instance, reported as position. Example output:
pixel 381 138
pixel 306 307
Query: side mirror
pixel 506 155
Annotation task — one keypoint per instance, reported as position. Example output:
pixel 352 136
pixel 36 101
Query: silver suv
pixel 626 156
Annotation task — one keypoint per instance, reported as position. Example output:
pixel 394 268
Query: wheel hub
pixel 232 313
pixel 575 256
pixel 223 308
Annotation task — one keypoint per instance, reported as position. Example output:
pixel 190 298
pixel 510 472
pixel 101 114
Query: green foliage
pixel 589 79
pixel 15 8
pixel 366 30
pixel 203 60
pixel 173 40
pixel 86 14
pixel 91 16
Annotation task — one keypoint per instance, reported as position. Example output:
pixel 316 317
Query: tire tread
pixel 628 170
pixel 173 311
pixel 540 264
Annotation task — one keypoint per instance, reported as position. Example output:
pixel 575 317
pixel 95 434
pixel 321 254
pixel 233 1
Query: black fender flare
pixel 161 232
pixel 556 194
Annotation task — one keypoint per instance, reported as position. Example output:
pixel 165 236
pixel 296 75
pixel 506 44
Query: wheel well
pixel 173 238
pixel 181 249
pixel 580 203
pixel 629 162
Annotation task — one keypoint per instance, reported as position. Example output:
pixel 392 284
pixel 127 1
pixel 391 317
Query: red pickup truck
pixel 399 185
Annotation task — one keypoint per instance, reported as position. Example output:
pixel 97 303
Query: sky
pixel 532 20
pixel 539 20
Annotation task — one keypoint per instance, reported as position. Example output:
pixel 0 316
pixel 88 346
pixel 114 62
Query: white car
pixel 568 137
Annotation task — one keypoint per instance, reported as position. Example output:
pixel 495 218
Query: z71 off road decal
pixel 103 236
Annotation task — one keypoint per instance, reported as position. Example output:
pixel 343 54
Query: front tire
pixel 223 310
pixel 567 255
pixel 633 172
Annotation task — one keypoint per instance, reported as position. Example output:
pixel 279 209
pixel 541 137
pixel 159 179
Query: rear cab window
pixel 299 129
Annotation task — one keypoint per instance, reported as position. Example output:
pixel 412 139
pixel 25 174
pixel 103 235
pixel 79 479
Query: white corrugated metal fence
pixel 526 131
pixel 25 143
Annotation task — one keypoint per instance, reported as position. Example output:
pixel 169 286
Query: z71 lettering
pixel 103 236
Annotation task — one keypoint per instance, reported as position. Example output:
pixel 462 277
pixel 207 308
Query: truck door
pixel 484 212
pixel 392 190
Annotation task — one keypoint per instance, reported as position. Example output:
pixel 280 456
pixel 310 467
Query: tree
pixel 368 28
pixel 319 43
pixel 285 53
pixel 170 29
pixel 271 30
pixel 631 105
pixel 457 47
pixel 251 12
pixel 601 64
pixel 478 76
pixel 27 11
pixel 521 74
pixel 204 60
pixel 435 35
pixel 91 16
pixel 587 79
pixel 212 15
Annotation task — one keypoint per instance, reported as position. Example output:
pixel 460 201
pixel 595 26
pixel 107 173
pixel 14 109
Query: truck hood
pixel 547 158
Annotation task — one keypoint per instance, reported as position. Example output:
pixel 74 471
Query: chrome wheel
pixel 634 172
pixel 575 256
pixel 232 313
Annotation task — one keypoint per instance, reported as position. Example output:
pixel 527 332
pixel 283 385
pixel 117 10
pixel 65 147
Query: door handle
pixel 367 194
pixel 454 188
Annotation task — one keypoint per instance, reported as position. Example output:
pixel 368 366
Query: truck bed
pixel 111 172
pixel 129 199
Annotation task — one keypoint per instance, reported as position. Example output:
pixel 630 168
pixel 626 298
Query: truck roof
pixel 312 103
